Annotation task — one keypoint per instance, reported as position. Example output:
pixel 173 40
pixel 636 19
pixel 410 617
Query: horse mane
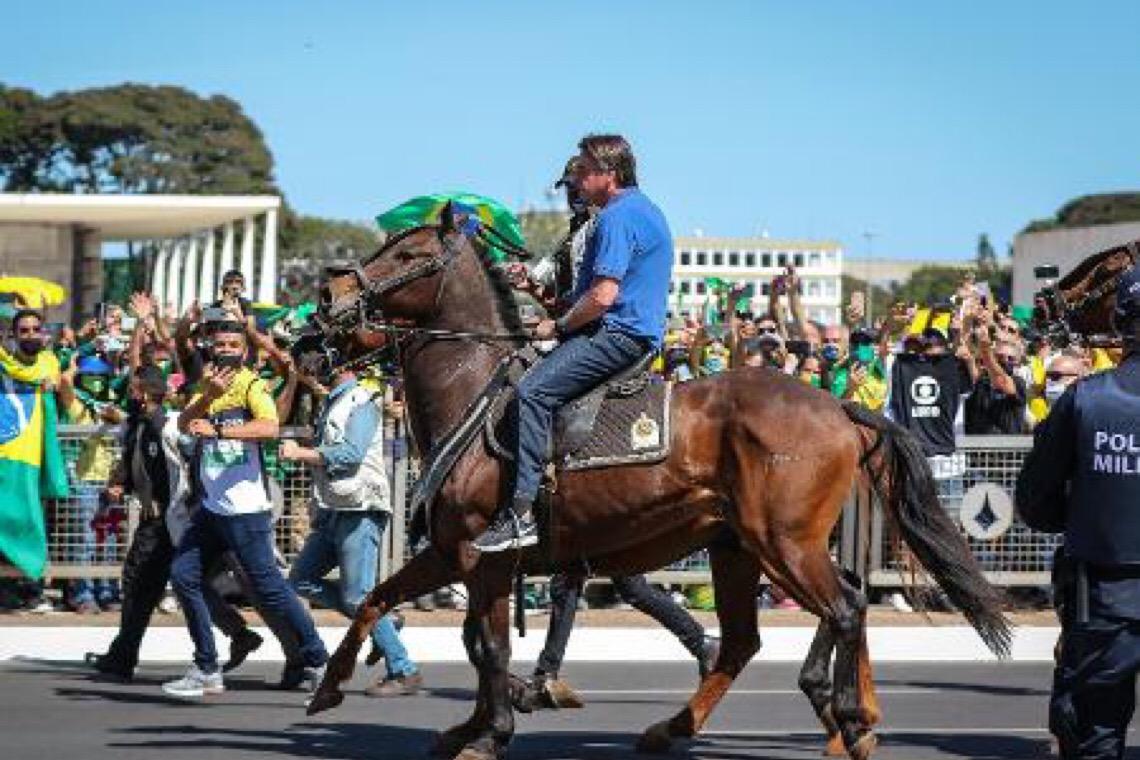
pixel 502 290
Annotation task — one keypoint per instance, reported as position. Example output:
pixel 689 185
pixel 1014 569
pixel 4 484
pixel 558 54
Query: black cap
pixel 567 173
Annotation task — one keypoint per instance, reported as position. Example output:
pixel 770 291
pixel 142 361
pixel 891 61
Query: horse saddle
pixel 625 420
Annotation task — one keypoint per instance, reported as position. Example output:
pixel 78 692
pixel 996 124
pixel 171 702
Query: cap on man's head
pixel 93 365
pixel 568 173
pixel 1128 294
pixel 936 333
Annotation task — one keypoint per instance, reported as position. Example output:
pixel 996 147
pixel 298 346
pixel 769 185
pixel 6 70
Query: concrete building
pixel 756 260
pixel 190 239
pixel 1065 247
pixel 889 273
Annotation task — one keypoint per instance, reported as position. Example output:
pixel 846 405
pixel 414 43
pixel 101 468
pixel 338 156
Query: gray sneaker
pixel 313 678
pixel 195 684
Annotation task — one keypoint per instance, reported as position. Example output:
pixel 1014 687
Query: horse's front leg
pixel 487 634
pixel 426 572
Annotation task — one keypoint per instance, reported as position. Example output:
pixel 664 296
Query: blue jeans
pixel 88 550
pixel 572 369
pixel 250 537
pixel 349 541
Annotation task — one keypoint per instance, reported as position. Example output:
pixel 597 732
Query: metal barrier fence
pixel 975 486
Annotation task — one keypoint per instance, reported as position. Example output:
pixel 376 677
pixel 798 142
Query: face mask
pixel 830 352
pixel 31 346
pixel 864 354
pixel 1053 391
pixel 714 364
pixel 813 380
pixel 93 384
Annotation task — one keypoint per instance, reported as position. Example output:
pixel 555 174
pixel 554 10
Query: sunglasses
pixel 1059 375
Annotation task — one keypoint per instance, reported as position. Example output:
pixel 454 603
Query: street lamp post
pixel 869 307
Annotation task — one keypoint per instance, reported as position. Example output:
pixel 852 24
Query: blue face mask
pixel 830 352
pixel 864 353
pixel 714 364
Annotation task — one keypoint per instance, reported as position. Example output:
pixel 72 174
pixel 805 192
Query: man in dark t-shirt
pixel 997 404
pixel 926 392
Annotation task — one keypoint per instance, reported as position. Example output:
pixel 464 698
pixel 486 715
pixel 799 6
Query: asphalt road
pixel 56 710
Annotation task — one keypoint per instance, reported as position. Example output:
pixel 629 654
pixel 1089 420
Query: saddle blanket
pixel 631 428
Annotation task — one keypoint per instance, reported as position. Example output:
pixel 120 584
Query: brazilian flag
pixel 31 462
pixel 425 209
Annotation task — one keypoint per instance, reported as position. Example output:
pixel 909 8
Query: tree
pixel 985 260
pixel 930 285
pixel 1088 210
pixel 131 138
pixel 543 230
pixel 321 240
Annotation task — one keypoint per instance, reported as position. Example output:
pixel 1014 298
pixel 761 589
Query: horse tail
pixel 901 478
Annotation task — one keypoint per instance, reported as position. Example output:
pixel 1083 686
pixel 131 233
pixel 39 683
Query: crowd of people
pixel 198 403
pixel 963 368
pixel 966 367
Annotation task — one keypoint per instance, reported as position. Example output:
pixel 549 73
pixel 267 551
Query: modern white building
pixel 756 260
pixel 189 241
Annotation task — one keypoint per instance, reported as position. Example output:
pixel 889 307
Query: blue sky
pixel 925 123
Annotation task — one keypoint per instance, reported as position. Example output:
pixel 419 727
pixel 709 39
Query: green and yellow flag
pixel 31 462
pixel 425 209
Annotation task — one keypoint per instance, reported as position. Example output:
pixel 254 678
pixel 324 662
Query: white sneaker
pixel 195 684
pixel 899 602
pixel 168 605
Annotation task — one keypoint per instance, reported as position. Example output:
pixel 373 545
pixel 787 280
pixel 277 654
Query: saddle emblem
pixel 644 433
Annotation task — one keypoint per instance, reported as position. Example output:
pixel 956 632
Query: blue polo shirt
pixel 631 244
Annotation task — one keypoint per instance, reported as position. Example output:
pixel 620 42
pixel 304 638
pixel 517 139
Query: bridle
pixel 363 313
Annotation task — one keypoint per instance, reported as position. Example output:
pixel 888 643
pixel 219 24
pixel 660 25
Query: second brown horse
pixel 759 468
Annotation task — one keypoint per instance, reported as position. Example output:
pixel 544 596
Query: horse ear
pixel 447 218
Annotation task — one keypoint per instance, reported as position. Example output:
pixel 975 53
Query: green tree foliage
pixel 930 285
pixel 321 240
pixel 130 138
pixel 543 230
pixel 1088 210
pixel 988 269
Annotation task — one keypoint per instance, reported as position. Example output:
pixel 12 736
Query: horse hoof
pixel 324 699
pixel 472 752
pixel 450 743
pixel 835 746
pixel 864 747
pixel 563 696
pixel 656 740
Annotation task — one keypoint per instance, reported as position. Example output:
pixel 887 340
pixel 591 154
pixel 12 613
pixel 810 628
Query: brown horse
pixel 759 468
pixel 1080 305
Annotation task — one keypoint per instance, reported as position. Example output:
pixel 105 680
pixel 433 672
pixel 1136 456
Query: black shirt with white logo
pixel 926 392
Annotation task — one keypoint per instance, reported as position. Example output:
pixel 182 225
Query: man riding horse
pixel 616 319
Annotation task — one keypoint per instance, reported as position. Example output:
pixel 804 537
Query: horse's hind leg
pixel 736 576
pixel 815 682
pixel 812 578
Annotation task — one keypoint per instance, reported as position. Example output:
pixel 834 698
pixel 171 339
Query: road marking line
pixel 750 692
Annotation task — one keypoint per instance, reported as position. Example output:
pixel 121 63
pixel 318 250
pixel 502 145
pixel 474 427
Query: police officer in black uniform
pixel 1082 478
